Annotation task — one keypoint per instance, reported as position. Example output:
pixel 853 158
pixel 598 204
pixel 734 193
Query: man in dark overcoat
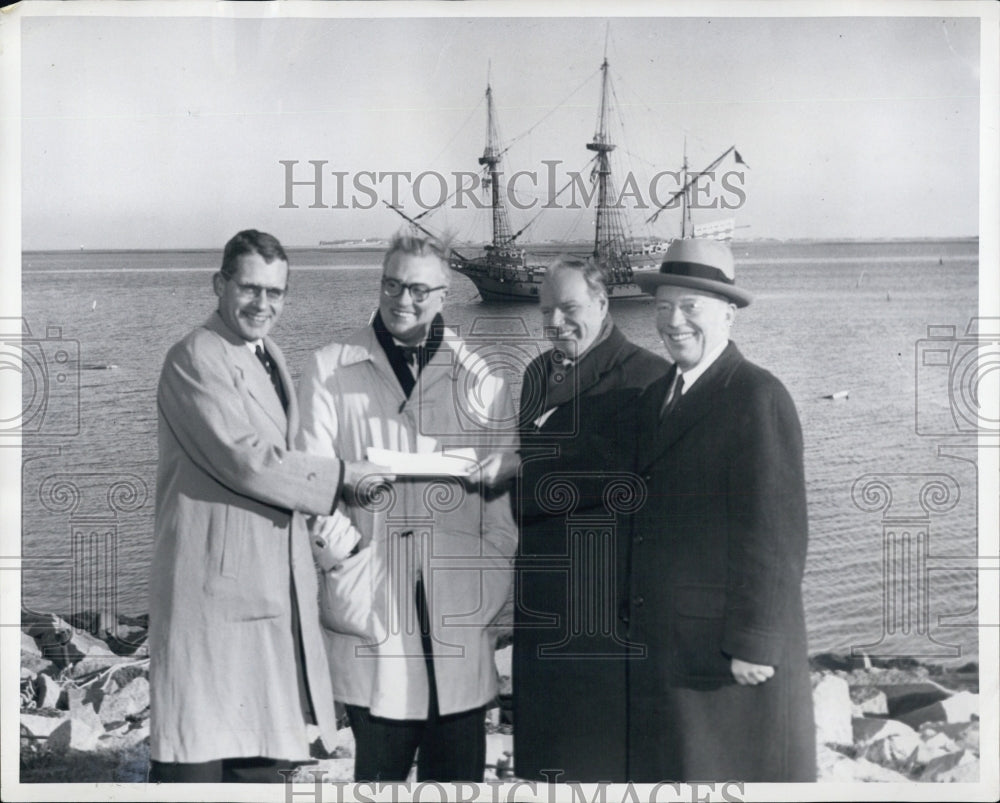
pixel 717 551
pixel 569 651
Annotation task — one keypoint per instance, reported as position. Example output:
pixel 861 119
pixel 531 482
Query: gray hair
pixel 409 244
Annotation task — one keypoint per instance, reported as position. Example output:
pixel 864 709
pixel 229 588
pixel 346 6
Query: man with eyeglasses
pixel 718 550
pixel 237 670
pixel 414 577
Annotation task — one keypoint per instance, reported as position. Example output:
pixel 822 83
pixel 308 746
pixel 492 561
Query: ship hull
pixel 524 287
pixel 498 291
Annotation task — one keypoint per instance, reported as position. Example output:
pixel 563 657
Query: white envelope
pixel 453 463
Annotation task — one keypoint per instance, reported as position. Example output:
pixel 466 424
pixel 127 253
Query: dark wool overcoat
pixel 715 571
pixel 569 646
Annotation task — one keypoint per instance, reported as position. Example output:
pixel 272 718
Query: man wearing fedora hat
pixel 716 554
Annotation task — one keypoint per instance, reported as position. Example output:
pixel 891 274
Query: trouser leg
pixel 452 748
pixel 185 772
pixel 383 748
pixel 256 770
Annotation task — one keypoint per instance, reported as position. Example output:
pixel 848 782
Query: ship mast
pixel 491 162
pixel 609 234
pixel 685 204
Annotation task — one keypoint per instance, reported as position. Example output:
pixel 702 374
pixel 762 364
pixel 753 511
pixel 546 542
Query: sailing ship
pixel 506 272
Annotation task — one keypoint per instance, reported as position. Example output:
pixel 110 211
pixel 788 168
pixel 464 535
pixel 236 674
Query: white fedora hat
pixel 698 264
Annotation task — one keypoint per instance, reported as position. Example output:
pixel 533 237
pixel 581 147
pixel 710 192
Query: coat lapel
pixel 363 346
pixel 691 408
pixel 255 378
pixel 579 379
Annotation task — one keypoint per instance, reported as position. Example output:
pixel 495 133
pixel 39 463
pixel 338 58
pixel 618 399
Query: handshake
pixel 334 538
pixel 383 466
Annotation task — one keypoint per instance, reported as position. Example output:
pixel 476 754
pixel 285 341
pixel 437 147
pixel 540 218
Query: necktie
pixel 673 396
pixel 272 371
pixel 413 356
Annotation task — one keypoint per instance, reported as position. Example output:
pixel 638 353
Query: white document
pixel 453 463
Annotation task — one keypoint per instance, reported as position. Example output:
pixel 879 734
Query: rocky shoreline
pixel 85 712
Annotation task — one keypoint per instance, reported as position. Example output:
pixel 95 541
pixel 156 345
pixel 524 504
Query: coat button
pixel 638 602
pixel 639 539
pixel 311 476
pixel 647 477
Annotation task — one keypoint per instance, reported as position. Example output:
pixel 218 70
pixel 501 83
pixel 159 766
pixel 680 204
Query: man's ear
pixel 219 283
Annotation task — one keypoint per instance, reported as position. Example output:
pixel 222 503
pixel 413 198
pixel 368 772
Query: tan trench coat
pixel 461 542
pixel 223 669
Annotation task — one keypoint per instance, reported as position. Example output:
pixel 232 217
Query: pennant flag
pixel 739 159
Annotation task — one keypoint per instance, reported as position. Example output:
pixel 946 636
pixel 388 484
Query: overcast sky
pixel 146 132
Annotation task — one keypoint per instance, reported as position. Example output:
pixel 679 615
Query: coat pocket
pixel 346 596
pixel 251 580
pixel 698 622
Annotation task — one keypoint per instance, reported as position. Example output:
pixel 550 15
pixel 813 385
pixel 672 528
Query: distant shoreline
pixel 527 246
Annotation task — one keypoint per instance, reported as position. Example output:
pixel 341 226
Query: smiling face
pixel 691 323
pixel 251 300
pixel 407 319
pixel 572 314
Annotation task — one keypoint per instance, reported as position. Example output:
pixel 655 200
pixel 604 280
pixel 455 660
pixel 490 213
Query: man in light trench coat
pixel 415 575
pixel 237 669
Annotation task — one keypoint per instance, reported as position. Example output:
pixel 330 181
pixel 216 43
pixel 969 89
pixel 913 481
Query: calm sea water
pixel 827 317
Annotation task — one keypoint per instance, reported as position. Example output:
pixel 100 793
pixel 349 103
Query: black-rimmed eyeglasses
pixel 418 292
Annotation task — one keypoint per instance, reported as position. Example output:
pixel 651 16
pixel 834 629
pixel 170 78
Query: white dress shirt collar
pixel 692 375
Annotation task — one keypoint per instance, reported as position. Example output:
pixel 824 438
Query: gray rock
pixel 93 664
pixel 69 646
pixel 89 697
pixel 499 749
pixel 36 665
pixel 905 697
pixel 330 770
pixel 932 746
pixel 953 768
pixel 344 746
pixel 81 731
pixel 126 702
pixel 871 729
pixel 38 625
pixel 125 737
pixel 40 727
pixel 832 706
pixel 835 767
pixel 126 640
pixel 894 746
pixel 868 700
pixel 965 735
pixel 125 674
pixel 29 646
pixel 960 707
pixel 47 692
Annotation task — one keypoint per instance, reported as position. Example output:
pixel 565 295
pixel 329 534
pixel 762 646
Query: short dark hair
pixel 588 269
pixel 415 245
pixel 250 241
